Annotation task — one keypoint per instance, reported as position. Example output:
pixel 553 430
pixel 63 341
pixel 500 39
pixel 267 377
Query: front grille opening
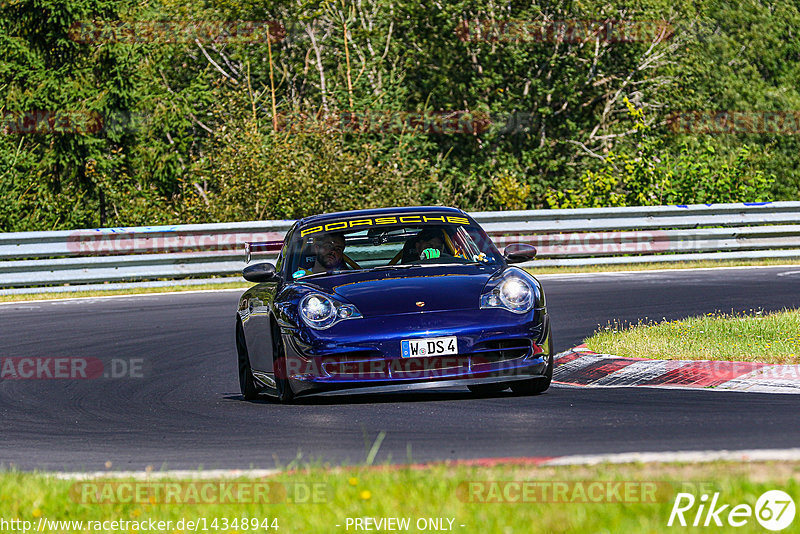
pixel 365 364
pixel 356 356
pixel 502 350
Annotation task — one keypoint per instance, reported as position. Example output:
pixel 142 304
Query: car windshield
pixel 320 250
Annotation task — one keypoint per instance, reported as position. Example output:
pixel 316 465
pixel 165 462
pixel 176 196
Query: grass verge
pixel 706 264
pixel 128 291
pixel 504 499
pixel 759 337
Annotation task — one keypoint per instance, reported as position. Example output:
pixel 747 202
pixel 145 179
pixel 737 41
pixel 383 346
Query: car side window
pixel 279 262
pixel 287 240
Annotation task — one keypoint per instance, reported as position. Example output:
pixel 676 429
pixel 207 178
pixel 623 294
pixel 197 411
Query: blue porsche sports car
pixel 393 298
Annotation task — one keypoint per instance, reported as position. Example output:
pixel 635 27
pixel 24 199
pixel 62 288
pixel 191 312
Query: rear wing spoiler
pixel 260 246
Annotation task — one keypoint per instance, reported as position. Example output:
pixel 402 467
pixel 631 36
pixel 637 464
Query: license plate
pixel 433 346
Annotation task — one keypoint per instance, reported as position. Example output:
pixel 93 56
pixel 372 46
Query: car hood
pixel 387 292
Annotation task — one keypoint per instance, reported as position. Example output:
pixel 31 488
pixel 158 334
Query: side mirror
pixel 260 272
pixel 519 252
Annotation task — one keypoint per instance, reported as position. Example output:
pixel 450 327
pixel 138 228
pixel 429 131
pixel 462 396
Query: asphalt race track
pixel 182 408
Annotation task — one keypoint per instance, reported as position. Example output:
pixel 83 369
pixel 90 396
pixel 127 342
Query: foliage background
pixel 190 133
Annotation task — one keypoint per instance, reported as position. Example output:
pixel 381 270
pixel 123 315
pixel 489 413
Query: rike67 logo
pixel 774 510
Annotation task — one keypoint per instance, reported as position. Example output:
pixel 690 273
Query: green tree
pixel 652 175
pixel 70 169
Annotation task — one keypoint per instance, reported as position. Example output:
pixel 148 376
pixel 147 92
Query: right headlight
pixel 320 311
pixel 513 293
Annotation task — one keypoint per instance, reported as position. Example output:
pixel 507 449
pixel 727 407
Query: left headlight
pixel 320 311
pixel 512 292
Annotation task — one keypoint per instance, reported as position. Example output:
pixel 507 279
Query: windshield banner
pixel 342 226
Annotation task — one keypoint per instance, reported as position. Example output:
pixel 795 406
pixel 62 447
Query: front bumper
pixel 493 346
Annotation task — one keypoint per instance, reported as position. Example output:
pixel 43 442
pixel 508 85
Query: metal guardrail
pixel 563 237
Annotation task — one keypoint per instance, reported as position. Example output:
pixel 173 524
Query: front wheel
pixel 538 385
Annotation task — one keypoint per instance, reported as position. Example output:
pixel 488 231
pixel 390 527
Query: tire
pixel 247 383
pixel 487 389
pixel 282 384
pixel 538 385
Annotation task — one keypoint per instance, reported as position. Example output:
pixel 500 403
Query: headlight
pixel 515 294
pixel 321 312
pixel 512 293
